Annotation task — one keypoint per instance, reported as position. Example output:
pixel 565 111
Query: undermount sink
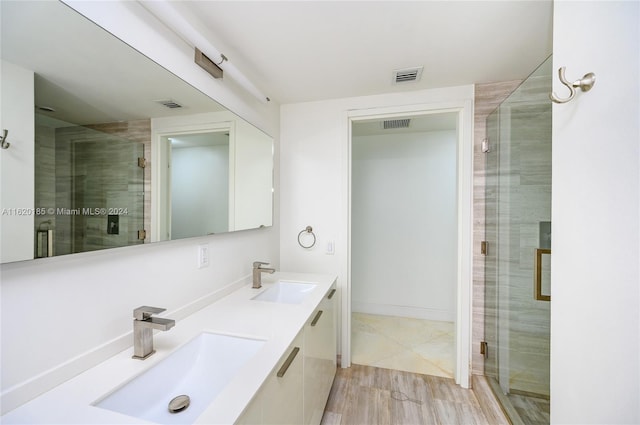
pixel 286 292
pixel 200 369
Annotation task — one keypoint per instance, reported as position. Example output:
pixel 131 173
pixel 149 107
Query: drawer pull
pixel 315 319
pixel 288 362
pixel 333 291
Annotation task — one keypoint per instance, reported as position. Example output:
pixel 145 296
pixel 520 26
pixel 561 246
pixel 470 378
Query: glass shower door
pixel 518 219
pixel 108 190
pixel 91 186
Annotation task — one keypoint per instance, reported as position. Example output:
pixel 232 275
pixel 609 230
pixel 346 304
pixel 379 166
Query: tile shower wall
pixel 137 132
pixel 525 180
pixel 518 201
pixel 101 159
pixel 45 181
pixel 487 98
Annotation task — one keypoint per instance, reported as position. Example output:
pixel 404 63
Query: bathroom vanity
pixel 255 356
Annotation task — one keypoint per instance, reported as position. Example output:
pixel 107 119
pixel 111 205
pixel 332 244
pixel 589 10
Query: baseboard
pixel 403 311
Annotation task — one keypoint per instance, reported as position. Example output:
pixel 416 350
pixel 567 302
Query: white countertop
pixel 236 314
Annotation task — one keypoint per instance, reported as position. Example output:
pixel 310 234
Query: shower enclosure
pixel 89 188
pixel 517 262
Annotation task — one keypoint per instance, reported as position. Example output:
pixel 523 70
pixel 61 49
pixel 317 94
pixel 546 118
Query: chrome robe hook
pixel 585 84
pixel 3 140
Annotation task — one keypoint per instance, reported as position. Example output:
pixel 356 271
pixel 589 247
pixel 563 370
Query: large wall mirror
pixel 108 149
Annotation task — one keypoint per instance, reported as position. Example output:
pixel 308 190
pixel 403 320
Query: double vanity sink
pixel 286 292
pixel 207 369
pixel 199 370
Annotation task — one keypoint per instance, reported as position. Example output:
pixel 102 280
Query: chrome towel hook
pixel 585 84
pixel 3 139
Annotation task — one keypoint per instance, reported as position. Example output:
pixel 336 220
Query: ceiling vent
pixel 391 124
pixel 407 75
pixel 169 103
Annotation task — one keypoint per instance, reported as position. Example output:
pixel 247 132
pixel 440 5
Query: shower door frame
pixel 464 161
pixel 503 282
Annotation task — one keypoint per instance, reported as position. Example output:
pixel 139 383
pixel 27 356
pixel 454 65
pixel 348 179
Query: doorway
pixel 193 176
pixel 409 232
pixel 198 192
pixel 403 263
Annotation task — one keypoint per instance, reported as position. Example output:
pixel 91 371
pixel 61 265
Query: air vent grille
pixel 407 75
pixel 169 103
pixel 391 124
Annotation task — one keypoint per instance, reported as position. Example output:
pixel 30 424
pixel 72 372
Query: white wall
pixel 79 307
pixel 252 167
pixel 17 174
pixel 595 307
pixel 313 172
pixel 404 224
pixel 199 191
pixel 130 22
pixel 315 182
pixel 252 197
pixel 165 128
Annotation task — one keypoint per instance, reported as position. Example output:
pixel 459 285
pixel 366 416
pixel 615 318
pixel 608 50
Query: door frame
pixel 160 163
pixel 464 160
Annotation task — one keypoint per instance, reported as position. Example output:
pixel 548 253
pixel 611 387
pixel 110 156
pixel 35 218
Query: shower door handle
pixel 537 281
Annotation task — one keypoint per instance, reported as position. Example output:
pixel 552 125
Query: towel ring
pixel 308 230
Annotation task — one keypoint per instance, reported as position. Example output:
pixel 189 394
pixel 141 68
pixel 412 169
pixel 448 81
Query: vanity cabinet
pixel 319 358
pixel 279 401
pixel 281 393
pixel 297 389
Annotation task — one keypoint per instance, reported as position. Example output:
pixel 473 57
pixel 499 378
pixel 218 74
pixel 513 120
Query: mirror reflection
pixel 89 186
pixel 109 149
pixel 199 161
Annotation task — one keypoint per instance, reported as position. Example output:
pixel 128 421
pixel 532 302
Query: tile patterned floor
pixel 406 344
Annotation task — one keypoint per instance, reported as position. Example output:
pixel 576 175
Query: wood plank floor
pixel 366 395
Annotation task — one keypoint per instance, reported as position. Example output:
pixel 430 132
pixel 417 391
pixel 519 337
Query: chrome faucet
pixel 143 326
pixel 257 273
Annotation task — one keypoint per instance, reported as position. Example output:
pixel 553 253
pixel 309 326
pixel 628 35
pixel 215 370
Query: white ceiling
pixel 310 50
pixel 86 74
pixel 292 50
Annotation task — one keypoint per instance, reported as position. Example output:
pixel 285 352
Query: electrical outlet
pixel 203 256
pixel 331 248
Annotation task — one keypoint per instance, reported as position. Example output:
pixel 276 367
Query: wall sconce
pixel 208 65
pixel 170 17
